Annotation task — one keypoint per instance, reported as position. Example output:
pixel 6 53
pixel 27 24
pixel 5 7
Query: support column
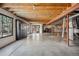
pixel 63 30
pixel 67 28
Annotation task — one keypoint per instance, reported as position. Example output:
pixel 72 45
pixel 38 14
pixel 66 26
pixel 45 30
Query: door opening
pixel 21 30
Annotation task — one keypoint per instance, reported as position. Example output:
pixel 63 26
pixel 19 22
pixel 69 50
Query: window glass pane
pixel 7 26
pixel 0 26
pixel 9 21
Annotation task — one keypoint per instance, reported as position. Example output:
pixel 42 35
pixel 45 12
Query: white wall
pixel 70 29
pixel 7 40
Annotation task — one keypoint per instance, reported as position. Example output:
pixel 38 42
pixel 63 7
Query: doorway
pixel 35 28
pixel 76 30
pixel 21 30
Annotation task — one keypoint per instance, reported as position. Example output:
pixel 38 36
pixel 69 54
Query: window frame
pixel 2 25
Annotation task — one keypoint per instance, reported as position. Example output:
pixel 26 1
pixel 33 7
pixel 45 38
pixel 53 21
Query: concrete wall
pixel 7 40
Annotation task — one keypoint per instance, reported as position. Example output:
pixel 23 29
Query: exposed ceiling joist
pixel 68 11
pixel 37 12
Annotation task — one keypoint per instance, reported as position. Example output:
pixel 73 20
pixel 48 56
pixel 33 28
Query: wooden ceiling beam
pixel 71 9
pixel 42 11
pixel 37 7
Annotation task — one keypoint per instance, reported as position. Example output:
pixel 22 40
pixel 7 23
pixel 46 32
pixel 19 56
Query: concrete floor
pixel 39 45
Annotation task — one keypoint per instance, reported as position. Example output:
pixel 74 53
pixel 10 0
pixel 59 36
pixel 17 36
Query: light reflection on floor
pixel 39 45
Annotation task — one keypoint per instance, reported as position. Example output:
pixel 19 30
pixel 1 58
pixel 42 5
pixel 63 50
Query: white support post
pixel 63 30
